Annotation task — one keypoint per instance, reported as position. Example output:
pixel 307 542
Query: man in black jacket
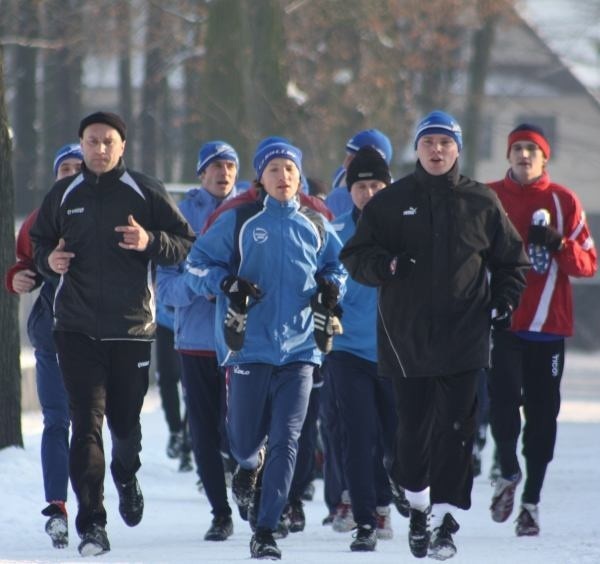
pixel 448 263
pixel 102 232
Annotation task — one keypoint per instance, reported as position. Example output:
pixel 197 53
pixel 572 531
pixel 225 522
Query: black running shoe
pixel 504 497
pixel 221 528
pixel 283 526
pixel 57 525
pixel 263 545
pixel 418 535
pixel 296 517
pixel 94 541
pixel 365 539
pixel 244 481
pixel 528 521
pixel 399 499
pixel 174 444
pixel 131 502
pixel 309 492
pixel 441 545
pixel 186 464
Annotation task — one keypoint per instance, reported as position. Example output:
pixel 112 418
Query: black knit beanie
pixel 367 164
pixel 107 118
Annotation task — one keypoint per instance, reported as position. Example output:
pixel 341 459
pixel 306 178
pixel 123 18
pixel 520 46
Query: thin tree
pixel 481 43
pixel 25 134
pixel 222 84
pixel 10 375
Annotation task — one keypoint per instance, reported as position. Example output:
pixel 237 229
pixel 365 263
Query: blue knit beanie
pixel 373 138
pixel 278 150
pixel 270 140
pixel 441 123
pixel 216 150
pixel 70 151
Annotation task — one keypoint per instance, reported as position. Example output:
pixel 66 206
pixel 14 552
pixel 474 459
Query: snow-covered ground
pixel 176 515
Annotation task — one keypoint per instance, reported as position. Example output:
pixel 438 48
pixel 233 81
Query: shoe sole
pixel 217 537
pixel 92 549
pixel 532 533
pixel 442 553
pixel 363 547
pixel 267 557
pixel 132 522
pixel 58 531
pixel 421 550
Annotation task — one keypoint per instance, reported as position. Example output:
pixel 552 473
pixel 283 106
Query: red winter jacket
pixel 546 304
pixel 24 251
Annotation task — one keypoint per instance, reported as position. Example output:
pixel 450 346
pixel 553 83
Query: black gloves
pixel 326 314
pixel 501 317
pixel 401 265
pixel 239 292
pixel 545 236
pixel 327 293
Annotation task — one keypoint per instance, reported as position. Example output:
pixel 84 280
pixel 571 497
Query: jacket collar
pixel 105 177
pixel 442 181
pixel 538 185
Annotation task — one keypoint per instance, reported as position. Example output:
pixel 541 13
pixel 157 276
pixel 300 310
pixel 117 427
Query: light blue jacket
pixel 359 305
pixel 278 247
pixel 194 325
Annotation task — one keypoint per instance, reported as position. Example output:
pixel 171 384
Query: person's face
pixel 437 153
pixel 527 161
pixel 281 179
pixel 102 147
pixel 218 177
pixel 68 167
pixel 363 190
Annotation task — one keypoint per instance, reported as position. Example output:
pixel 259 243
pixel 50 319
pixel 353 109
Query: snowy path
pixel 176 516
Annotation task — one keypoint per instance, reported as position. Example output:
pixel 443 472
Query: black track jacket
pixel 108 291
pixel 468 255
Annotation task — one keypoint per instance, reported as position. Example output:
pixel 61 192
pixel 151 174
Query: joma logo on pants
pixel 555 360
pixel 143 364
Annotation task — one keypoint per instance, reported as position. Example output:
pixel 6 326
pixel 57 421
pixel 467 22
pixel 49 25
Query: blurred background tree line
pixel 182 72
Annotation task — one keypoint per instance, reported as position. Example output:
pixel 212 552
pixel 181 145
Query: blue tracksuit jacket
pixel 359 304
pixel 277 246
pixel 194 326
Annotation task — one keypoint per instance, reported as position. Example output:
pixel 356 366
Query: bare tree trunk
pixel 125 89
pixel 482 42
pixel 192 121
pixel 150 91
pixel 62 82
pixel 26 138
pixel 271 110
pixel 223 108
pixel 10 375
pixel 166 134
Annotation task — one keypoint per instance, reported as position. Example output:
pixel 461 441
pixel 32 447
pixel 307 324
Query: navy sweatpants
pixel 268 401
pixel 368 419
pixel 204 385
pixel 55 436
